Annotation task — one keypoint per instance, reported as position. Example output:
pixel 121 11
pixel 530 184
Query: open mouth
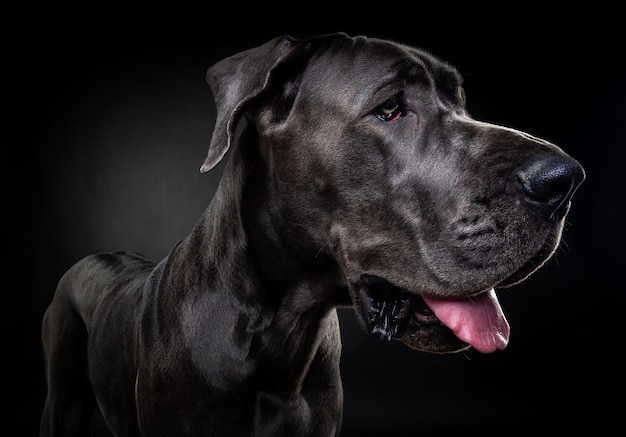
pixel 432 324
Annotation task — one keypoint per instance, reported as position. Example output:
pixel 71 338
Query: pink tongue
pixel 478 321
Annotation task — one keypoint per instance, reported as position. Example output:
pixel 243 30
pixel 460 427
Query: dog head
pixel 425 210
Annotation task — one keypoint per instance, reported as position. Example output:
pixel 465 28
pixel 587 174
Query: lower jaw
pixel 431 338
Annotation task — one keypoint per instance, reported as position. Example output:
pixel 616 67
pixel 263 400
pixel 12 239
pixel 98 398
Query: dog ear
pixel 235 81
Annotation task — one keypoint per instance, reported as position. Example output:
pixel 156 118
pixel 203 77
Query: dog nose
pixel 550 182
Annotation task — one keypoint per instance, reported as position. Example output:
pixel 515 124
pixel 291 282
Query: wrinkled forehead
pixel 354 68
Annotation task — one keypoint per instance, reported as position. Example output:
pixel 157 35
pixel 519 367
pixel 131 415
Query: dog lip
pixel 386 308
pixel 383 307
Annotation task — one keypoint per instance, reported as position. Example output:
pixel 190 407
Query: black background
pixel 108 118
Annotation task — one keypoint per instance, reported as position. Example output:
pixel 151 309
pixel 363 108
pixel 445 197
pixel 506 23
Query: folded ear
pixel 236 80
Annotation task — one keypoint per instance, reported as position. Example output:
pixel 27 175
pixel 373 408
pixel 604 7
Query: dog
pixel 355 177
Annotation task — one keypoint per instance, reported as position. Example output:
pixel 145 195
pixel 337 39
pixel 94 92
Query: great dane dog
pixel 356 177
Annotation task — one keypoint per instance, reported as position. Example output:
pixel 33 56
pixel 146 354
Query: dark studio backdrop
pixel 110 121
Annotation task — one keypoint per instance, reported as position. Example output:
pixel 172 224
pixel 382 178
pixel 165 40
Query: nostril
pixel 551 181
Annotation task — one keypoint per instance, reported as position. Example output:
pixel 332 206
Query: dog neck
pixel 289 290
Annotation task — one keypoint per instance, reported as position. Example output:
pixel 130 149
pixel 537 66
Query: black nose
pixel 550 182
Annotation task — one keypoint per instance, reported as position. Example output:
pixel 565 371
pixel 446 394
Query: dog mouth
pixel 440 325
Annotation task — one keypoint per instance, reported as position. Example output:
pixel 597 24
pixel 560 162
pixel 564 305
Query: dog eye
pixel 390 110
